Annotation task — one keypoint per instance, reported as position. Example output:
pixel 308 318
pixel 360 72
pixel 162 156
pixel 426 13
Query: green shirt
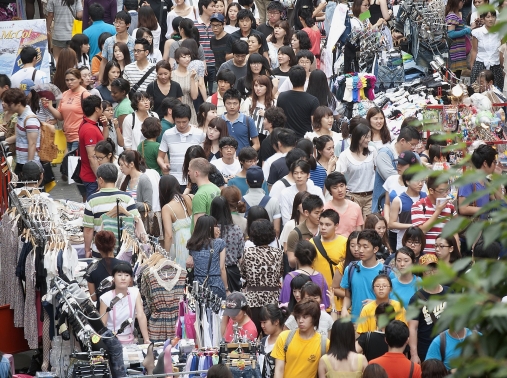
pixel 149 151
pixel 201 203
pixel 166 125
pixel 123 108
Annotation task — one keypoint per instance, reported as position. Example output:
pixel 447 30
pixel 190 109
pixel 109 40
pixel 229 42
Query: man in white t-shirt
pixel 28 56
pixel 227 165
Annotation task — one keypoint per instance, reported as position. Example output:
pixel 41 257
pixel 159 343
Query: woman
pixel 187 31
pixel 296 287
pixel 233 197
pixel 255 44
pixel 405 284
pixel 87 81
pixel 175 36
pixel 214 175
pixel 217 128
pixel 297 217
pixel 131 126
pixel 239 314
pixel 63 14
pixel 262 269
pixel 459 34
pixel 347 127
pixel 81 46
pixel 154 55
pixel 318 86
pixel 256 65
pixel 358 163
pixel 305 255
pixel 207 112
pixel 231 18
pixel 432 140
pixel 114 128
pixel 120 89
pixel 188 80
pixel 121 55
pixel 256 213
pixel 136 182
pixel 300 41
pixel 447 249
pixel 380 134
pixel 146 18
pixel 111 72
pixel 282 35
pixel 341 357
pixel 414 239
pixel 220 7
pixel 207 254
pixel 260 100
pixel 233 236
pixel 272 318
pixel 130 306
pixel 378 10
pixel 176 219
pixel 322 125
pixel 377 222
pixel 67 60
pixel 69 109
pixel 324 145
pixel 305 15
pixel 182 10
pixel 105 152
pixel 485 52
pixel 163 87
pixel 317 172
pixel 286 59
pixel 105 242
pixel 198 66
pixel 381 286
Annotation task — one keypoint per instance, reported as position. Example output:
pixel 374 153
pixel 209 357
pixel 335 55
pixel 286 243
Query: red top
pixel 315 37
pixel 397 365
pixel 89 135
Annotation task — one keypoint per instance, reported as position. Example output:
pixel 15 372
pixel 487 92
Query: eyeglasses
pixel 144 99
pixel 442 191
pixel 99 158
pixel 440 246
pixel 137 51
pixel 214 26
pixel 381 286
pixel 412 242
pixel 119 23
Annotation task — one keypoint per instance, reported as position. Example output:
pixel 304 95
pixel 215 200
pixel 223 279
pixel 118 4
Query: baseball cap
pixel 407 158
pixel 234 303
pixel 428 259
pixel 254 174
pixel 26 85
pixel 218 17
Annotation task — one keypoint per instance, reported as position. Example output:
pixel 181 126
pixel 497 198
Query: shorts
pixel 60 44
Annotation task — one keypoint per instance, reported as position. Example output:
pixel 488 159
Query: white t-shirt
pixel 27 73
pixel 156 37
pixel 287 198
pixel 337 137
pixel 227 170
pixel 325 323
pixel 287 228
pixel 267 164
pixel 155 179
pixel 132 136
pixel 121 310
pixel 276 189
pixel 360 174
pixel 155 56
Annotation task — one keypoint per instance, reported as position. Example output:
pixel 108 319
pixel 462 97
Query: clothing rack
pixel 28 221
pixel 203 295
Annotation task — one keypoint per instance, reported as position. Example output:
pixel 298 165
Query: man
pixel 274 11
pixel 132 7
pixel 109 8
pixel 203 25
pixel 305 59
pixel 312 208
pixel 247 158
pixel 225 80
pixel 98 25
pixel 166 108
pixel 121 23
pixel 394 361
pixel 298 105
pixel 141 72
pixel 238 62
pixel 27 137
pixel 357 283
pixel 245 21
pixel 198 171
pixel 274 118
pixel 297 353
pixel 286 181
pixel 286 141
pixel 436 206
pixel 421 327
pixel 256 196
pixel 227 165
pixel 330 248
pixel 103 201
pixel 444 346
pixel 5 83
pixel 240 126
pixel 90 135
pixel 385 163
pixel 28 56
pixel 351 217
pixel 175 142
pixel 218 42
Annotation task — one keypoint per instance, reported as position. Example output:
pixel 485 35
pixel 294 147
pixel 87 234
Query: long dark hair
pixel 298 200
pixel 318 86
pixel 124 50
pixel 202 114
pixel 349 257
pixel 227 19
pixel 67 59
pixel 320 144
pixel 371 221
pixel 75 44
pixel 190 30
pixel 140 34
pixel 266 70
pixel 147 18
pixel 296 284
pixel 268 97
pixel 109 66
pixel 34 101
pixel 219 124
pixel 255 213
pixel 131 157
pixel 107 146
pixel 360 131
pixel 288 31
pixel 385 135
pixel 169 189
pixel 221 211
pixel 204 233
pixel 192 152
pixel 342 340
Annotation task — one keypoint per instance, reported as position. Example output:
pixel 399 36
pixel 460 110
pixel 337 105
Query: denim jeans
pixel 72 146
pixel 115 351
pixel 91 187
pixel 247 372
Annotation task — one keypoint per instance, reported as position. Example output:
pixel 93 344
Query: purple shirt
pixel 110 9
pixel 317 278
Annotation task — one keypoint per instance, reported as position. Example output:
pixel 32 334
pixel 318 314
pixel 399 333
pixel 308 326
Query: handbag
pixel 77 171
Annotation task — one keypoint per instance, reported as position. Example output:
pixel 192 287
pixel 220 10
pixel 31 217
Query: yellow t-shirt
pixel 302 357
pixel 336 252
pixel 370 324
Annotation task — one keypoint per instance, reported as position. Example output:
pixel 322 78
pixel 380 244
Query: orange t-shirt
pixel 70 107
pixel 397 365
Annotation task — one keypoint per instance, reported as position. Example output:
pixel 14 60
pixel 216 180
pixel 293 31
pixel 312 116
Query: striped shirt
pixel 133 74
pixel 101 202
pixel 421 211
pixel 205 35
pixel 23 127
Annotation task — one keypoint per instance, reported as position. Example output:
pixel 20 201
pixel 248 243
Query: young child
pixel 378 223
pixel 438 157
pixel 148 148
pixel 227 165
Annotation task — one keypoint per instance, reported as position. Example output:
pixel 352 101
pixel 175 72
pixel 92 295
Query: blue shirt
pixel 242 129
pixel 402 292
pixel 318 176
pixel 468 189
pixel 451 348
pixel 94 31
pixel 361 285
pixel 241 184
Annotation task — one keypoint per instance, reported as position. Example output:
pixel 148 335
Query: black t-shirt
pixel 241 87
pixel 425 327
pixel 154 91
pixel 219 48
pixel 265 29
pixel 298 108
pixel 277 171
pixel 266 150
pixel 104 269
pixel 278 72
pixel 376 347
pixel 237 35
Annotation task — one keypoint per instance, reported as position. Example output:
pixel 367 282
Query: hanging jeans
pixel 247 372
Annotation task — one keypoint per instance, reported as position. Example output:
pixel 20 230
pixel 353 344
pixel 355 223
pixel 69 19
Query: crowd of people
pixel 218 125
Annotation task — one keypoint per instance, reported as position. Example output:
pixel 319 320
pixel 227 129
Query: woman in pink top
pixel 305 15
pixel 236 314
pixel 69 110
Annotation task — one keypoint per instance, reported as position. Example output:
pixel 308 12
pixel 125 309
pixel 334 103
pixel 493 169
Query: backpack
pixel 443 342
pixel 150 113
pixel 320 247
pixel 354 265
pixel 214 98
pixel 263 203
pixel 323 343
pixel 47 148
